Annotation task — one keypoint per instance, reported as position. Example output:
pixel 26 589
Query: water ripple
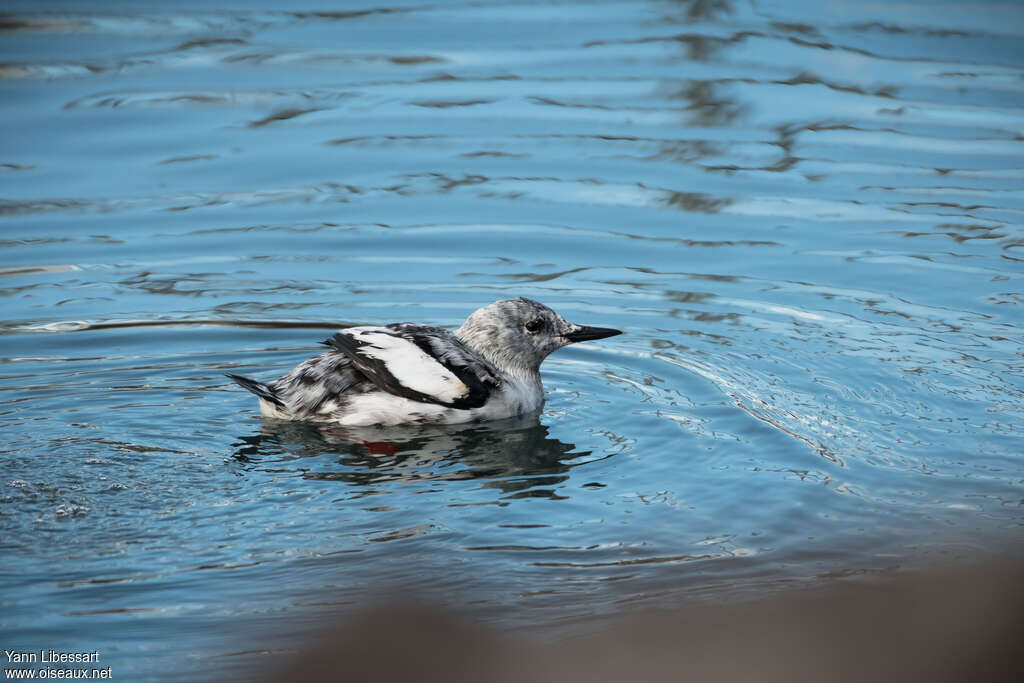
pixel 807 226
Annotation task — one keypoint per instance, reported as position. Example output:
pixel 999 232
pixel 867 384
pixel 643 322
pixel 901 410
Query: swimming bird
pixel 488 369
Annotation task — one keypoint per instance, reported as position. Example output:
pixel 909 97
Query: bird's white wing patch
pixel 408 364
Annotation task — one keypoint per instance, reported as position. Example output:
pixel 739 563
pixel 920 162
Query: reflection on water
pixel 515 456
pixel 806 218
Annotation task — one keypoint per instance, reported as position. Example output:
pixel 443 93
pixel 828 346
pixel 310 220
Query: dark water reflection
pixel 516 457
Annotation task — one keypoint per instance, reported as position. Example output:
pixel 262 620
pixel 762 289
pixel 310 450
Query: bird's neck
pixel 501 357
pixel 528 377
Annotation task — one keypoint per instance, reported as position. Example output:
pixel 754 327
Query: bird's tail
pixel 264 391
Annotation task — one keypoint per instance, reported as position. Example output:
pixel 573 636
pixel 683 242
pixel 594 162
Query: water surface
pixel 806 219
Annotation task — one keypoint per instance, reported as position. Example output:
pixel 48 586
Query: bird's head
pixel 518 334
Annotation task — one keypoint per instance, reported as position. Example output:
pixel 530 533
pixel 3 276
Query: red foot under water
pixel 374 447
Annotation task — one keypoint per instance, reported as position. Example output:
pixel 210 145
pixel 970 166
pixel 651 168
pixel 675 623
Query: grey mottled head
pixel 518 334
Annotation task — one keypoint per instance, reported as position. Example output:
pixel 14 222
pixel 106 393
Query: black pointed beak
pixel 584 333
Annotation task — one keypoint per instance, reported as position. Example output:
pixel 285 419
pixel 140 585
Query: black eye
pixel 534 325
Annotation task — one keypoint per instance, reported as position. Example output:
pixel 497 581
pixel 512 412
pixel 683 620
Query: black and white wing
pixel 425 364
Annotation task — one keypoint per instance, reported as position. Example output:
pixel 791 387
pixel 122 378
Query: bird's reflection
pixel 516 456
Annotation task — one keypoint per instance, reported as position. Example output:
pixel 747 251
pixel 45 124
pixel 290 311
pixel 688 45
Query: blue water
pixel 806 218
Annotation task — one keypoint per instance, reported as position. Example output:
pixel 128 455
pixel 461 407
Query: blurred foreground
pixel 935 625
